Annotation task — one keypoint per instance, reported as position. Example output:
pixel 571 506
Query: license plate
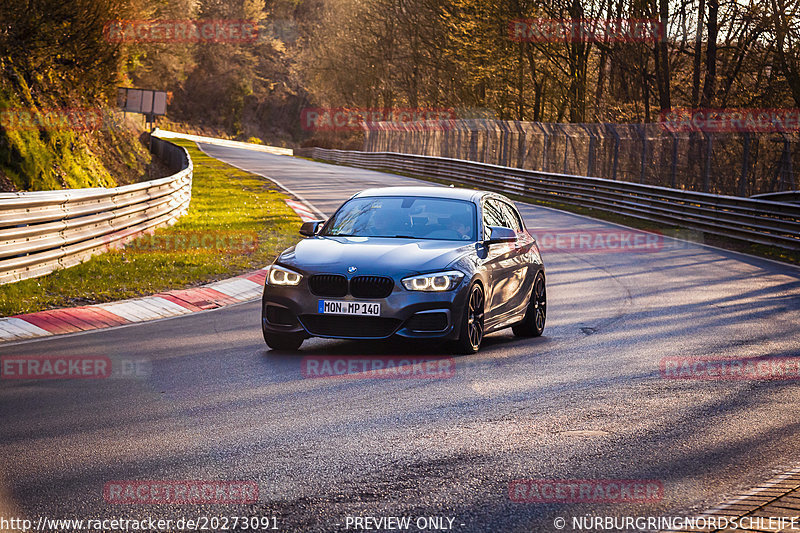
pixel 338 307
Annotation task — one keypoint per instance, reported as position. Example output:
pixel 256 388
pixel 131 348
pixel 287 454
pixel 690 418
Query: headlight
pixel 439 281
pixel 279 275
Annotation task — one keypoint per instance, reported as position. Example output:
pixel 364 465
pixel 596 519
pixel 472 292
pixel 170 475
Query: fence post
pixel 521 145
pixel 505 140
pixel 643 167
pixel 745 165
pixel 486 135
pixel 567 138
pixel 367 136
pixel 473 141
pixel 784 168
pixel 545 145
pixel 615 164
pixel 707 169
pixel 444 148
pixel 590 162
pixel 673 172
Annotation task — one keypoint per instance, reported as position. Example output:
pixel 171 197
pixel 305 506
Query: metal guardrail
pixel 165 134
pixel 792 197
pixel 47 230
pixel 751 220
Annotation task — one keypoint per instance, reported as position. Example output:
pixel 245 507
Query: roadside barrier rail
pixel 43 231
pixel 753 220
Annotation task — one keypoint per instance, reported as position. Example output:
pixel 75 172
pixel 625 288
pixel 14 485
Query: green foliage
pixel 55 63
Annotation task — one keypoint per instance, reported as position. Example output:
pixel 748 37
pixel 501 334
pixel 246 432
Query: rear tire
pixel 471 330
pixel 536 314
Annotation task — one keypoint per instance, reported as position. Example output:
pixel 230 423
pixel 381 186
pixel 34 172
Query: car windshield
pixel 410 217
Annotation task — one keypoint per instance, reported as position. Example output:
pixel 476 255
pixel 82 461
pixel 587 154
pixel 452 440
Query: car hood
pixel 374 255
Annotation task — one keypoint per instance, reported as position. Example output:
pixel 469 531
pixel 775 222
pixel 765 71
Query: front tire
pixel 471 332
pixel 536 314
pixel 284 342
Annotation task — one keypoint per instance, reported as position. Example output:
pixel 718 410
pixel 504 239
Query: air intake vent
pixel 427 322
pixel 362 327
pixel 280 316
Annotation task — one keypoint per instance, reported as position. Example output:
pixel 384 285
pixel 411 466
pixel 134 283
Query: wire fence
pixel 753 221
pixel 736 163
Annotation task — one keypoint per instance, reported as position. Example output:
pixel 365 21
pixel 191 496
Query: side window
pixel 492 215
pixel 511 217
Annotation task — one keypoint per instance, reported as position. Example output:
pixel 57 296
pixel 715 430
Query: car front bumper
pixel 411 314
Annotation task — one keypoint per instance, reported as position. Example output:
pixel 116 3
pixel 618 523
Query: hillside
pixel 56 142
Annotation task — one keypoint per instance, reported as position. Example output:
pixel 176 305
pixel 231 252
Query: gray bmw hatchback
pixel 416 262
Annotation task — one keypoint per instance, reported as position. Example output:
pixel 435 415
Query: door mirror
pixel 309 229
pixel 498 234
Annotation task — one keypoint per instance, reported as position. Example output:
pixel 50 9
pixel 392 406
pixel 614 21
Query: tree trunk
pixel 698 50
pixel 788 68
pixel 521 83
pixel 711 55
pixel 662 59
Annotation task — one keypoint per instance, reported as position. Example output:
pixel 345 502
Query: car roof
pixel 454 193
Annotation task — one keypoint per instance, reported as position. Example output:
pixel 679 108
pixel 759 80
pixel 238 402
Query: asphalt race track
pixel 587 401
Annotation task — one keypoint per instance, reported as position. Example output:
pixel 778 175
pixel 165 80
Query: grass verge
pixel 736 245
pixel 237 222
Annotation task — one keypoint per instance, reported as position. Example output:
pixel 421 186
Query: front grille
pixel 361 327
pixel 371 286
pixel 427 322
pixel 280 316
pixel 328 285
